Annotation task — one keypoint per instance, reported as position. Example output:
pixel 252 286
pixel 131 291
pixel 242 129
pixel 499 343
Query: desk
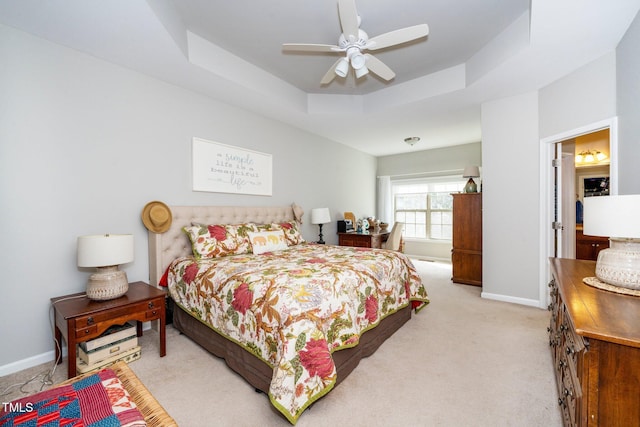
pixel 370 239
pixel 78 319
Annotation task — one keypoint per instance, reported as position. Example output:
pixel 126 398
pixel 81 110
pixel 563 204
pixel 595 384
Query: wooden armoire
pixel 466 254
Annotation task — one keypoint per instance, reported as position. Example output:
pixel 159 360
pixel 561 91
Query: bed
pixel 293 321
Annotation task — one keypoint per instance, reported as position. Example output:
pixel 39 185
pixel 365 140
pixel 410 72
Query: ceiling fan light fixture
pixel 355 42
pixel 357 60
pixel 363 71
pixel 342 68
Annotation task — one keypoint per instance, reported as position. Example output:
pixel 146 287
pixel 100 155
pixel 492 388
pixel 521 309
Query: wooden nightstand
pixel 78 319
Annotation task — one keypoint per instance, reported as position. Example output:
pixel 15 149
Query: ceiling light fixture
pixel 590 156
pixel 362 72
pixel 412 140
pixel 343 67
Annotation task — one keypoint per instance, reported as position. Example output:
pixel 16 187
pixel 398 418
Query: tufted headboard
pixel 174 243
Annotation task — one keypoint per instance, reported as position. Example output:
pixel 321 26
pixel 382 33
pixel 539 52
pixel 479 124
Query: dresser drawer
pixel 570 394
pixel 569 389
pixel 571 341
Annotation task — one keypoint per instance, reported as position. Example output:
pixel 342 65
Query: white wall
pixel 628 108
pixel 511 132
pixel 437 161
pixel 510 231
pixel 588 95
pixel 85 144
pixel 431 161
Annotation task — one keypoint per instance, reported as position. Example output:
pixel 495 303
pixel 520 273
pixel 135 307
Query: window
pixel 425 206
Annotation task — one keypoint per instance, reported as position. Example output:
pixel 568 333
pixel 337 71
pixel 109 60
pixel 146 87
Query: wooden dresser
pixel 588 247
pixel 466 253
pixel 369 239
pixel 594 336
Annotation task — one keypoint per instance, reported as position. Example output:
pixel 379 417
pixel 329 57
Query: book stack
pixel 119 342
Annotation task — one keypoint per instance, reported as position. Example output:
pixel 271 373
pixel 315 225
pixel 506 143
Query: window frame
pixel 455 184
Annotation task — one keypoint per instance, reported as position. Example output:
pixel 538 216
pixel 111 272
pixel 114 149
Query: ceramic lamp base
pixel 471 186
pixel 620 264
pixel 108 283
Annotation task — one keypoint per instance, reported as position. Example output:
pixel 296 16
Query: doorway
pixel 583 172
pixel 558 195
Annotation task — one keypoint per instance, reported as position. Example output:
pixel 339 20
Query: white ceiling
pixel 232 51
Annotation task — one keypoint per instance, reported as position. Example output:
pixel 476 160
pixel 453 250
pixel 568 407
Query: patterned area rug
pixel 98 400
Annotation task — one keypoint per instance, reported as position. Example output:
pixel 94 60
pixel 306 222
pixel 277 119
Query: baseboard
pixel 29 362
pixel 432 259
pixel 39 359
pixel 514 300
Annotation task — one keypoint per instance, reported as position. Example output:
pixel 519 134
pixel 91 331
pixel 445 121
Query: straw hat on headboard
pixel 156 216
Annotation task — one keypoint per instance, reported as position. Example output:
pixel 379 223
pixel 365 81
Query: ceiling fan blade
pixel 307 47
pixel 378 67
pixel 400 36
pixel 331 74
pixel 348 18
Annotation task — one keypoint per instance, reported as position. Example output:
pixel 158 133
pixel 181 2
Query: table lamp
pixel 105 252
pixel 320 216
pixel 471 172
pixel 616 217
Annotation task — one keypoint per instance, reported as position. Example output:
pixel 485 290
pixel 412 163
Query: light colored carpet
pixel 461 361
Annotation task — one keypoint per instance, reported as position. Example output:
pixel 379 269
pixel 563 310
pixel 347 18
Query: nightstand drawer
pixel 85 332
pixel 87 321
pixel 152 314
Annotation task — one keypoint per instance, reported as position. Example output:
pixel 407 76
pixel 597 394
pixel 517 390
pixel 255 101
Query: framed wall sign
pixel 222 168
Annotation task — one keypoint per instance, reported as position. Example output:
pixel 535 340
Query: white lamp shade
pixel 357 61
pixel 320 216
pixel 362 71
pixel 342 68
pixel 104 250
pixel 612 216
pixel 471 172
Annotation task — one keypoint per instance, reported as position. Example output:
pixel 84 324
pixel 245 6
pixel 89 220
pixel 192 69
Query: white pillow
pixel 267 241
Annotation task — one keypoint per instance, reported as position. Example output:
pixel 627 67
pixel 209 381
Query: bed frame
pixel 174 243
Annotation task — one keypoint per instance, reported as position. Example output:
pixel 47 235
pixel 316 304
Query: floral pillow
pixel 218 240
pixel 290 228
pixel 267 241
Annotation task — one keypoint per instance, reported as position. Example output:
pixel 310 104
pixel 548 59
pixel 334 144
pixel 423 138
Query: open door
pixel 565 183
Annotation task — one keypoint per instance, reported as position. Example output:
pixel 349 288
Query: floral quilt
pixel 293 308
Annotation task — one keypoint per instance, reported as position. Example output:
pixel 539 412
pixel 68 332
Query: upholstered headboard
pixel 174 243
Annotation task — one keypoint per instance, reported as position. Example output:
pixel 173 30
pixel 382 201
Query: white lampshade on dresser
pixel 105 252
pixel 615 217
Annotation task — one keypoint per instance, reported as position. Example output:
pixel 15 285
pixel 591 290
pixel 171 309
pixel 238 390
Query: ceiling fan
pixel 353 42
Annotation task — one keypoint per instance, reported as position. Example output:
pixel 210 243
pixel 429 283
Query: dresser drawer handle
pixel 150 304
pixel 89 320
pixel 87 331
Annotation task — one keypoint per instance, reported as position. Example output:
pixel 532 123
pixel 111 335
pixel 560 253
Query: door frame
pixel 547 153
